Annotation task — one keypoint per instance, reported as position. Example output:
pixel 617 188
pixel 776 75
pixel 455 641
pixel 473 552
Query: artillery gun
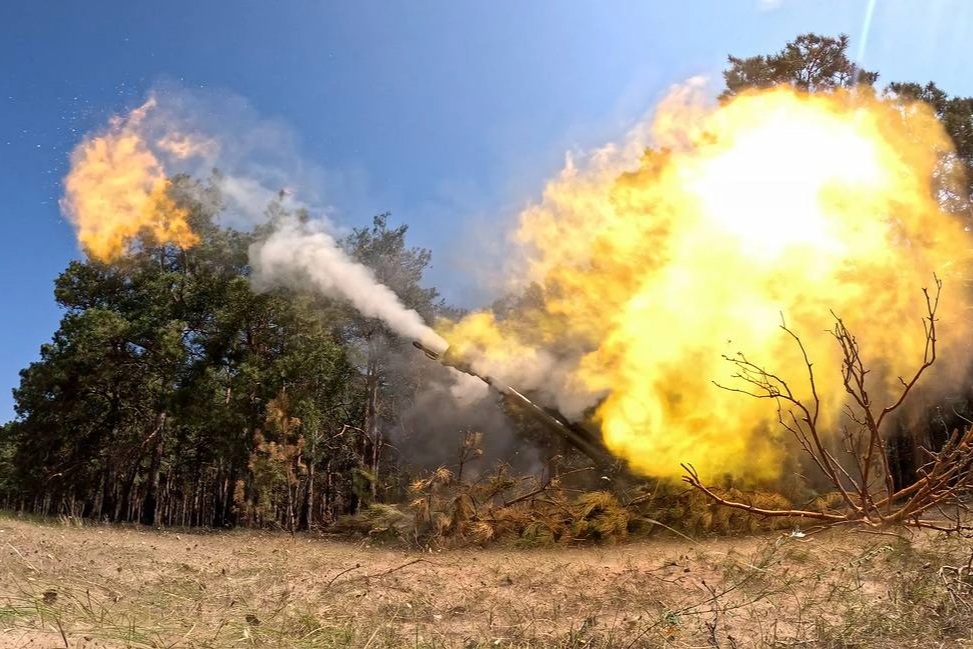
pixel 583 439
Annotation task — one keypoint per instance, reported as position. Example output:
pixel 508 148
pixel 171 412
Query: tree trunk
pixel 150 505
pixel 328 505
pixel 307 509
pixel 107 508
pixel 372 381
pixel 129 486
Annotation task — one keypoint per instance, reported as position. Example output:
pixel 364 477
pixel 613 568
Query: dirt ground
pixel 99 586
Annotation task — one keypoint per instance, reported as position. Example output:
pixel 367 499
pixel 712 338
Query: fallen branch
pixel 692 478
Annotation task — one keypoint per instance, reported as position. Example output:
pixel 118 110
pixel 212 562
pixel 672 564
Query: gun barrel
pixel 450 358
pixel 578 436
pixel 430 353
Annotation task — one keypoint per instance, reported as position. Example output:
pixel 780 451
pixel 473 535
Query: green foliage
pixel 810 62
pixel 389 383
pixel 6 457
pixel 173 393
pixel 956 115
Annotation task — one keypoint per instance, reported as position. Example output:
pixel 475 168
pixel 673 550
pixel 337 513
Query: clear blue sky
pixel 447 113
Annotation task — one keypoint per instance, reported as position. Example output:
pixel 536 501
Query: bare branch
pixel 692 478
pixel 941 482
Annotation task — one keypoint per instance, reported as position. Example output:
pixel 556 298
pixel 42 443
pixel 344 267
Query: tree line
pixel 173 393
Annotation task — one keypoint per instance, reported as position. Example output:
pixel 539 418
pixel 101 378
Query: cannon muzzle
pixel 430 353
pixel 450 358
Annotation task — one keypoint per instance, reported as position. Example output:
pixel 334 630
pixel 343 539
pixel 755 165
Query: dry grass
pixel 94 586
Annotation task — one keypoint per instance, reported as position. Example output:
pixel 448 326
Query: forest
pixel 174 393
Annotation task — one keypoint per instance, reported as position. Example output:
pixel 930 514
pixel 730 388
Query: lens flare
pixel 775 206
pixel 117 189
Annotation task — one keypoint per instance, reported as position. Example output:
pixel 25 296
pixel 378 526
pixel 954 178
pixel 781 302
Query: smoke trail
pixel 298 254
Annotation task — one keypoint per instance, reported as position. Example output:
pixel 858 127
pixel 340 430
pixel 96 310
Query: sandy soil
pixel 100 586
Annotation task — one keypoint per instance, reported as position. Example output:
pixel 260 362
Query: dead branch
pixel 692 478
pixel 343 572
pixel 867 488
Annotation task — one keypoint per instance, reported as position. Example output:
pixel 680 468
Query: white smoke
pixel 299 254
pixel 550 378
pixel 466 389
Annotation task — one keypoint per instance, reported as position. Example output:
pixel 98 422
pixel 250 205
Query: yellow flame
pixel 775 205
pixel 117 188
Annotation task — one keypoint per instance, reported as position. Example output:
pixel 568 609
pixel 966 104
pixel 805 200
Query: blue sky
pixel 450 114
